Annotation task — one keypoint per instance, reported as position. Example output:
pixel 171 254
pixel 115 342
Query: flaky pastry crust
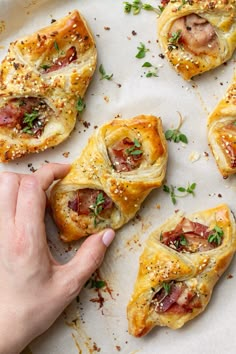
pixel 94 170
pixel 55 66
pixel 198 272
pixel 222 132
pixel 221 15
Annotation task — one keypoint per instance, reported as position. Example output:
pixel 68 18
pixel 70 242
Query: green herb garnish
pixel 45 67
pixel 174 40
pixel 152 72
pixel 175 134
pixel 97 207
pixel 103 73
pixel 142 50
pixel 29 119
pixel 185 2
pixel 56 46
pixel 216 236
pixel 135 149
pixel 190 189
pixel 80 105
pixel 97 284
pixel 183 241
pixel 136 6
pixel 166 287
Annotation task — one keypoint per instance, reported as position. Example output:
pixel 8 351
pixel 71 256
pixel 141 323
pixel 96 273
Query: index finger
pixel 50 172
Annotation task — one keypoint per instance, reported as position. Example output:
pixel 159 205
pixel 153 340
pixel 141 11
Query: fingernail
pixel 108 237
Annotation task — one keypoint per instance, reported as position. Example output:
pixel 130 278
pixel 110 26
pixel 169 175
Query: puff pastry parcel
pixel 122 162
pixel 197 35
pixel 42 81
pixel 181 263
pixel 222 132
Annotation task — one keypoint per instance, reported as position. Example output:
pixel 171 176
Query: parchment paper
pixel 83 327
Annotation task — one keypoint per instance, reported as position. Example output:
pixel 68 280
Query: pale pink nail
pixel 108 237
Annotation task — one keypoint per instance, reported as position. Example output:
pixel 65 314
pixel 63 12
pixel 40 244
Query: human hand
pixel 34 287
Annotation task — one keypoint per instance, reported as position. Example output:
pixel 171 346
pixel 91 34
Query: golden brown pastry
pixel 222 132
pixel 42 81
pixel 181 263
pixel 197 35
pixel 122 162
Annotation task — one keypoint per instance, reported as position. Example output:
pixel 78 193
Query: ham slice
pixel 188 236
pixel 124 155
pixel 85 200
pixel 179 299
pixel 12 114
pixel 197 34
pixel 63 61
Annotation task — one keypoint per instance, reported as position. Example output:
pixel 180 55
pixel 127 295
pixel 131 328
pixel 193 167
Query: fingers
pixel 51 172
pixel 88 258
pixel 9 184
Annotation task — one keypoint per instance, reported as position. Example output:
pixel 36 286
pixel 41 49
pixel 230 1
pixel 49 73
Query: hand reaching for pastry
pixel 34 287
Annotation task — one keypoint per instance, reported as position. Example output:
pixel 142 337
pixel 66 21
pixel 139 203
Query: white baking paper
pixel 83 327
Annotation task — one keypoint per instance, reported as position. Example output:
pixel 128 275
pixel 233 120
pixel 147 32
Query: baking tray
pixel 85 327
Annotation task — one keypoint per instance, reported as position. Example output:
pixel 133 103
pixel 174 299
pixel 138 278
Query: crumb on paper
pixel 106 28
pixel 118 115
pixel 118 348
pixel 106 99
pixel 206 155
pixel 158 206
pixel 66 154
pixel 194 156
pixel 230 276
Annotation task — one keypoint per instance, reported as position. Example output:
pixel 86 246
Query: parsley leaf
pixel 56 46
pixel 152 72
pixel 174 40
pixel 45 66
pixel 135 149
pixel 216 235
pixel 80 105
pixel 97 207
pixel 183 241
pixel 190 189
pixel 136 6
pixel 166 287
pixel 103 73
pixel 142 50
pixel 175 135
pixel 97 284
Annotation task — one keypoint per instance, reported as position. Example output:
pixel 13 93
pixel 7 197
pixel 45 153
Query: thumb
pixel 89 256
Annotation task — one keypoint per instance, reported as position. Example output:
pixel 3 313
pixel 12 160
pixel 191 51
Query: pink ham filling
pixel 85 200
pixel 13 114
pixel 197 34
pixel 63 61
pixel 121 160
pixel 195 234
pixel 180 299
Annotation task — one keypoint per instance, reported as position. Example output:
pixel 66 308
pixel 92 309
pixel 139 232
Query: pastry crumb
pixel 66 154
pixel 194 156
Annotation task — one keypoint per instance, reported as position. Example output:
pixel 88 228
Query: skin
pixel 34 287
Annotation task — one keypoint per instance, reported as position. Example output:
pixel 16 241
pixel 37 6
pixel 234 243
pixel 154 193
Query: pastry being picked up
pixel 179 267
pixel 197 35
pixel 122 162
pixel 43 79
pixel 222 132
